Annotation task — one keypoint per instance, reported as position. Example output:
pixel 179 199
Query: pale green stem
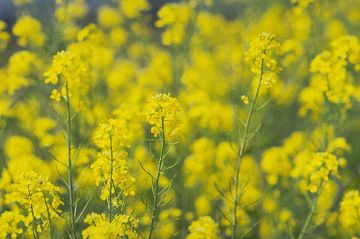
pixel 155 186
pixel 70 167
pixel 242 150
pixel 34 226
pixel 49 216
pixel 110 181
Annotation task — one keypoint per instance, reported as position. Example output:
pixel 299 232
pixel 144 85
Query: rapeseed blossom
pixel 69 74
pixel 91 149
pixel 175 18
pixel 260 56
pixel 349 212
pixel 163 113
pixel 39 198
pixel 204 227
pixel 100 227
pixel 29 32
pixel 110 167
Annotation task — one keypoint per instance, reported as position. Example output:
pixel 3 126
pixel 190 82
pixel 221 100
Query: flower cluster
pixel 10 224
pixel 68 69
pixel 300 158
pixel 29 32
pixel 248 171
pixel 332 83
pixel 260 56
pixel 114 130
pixel 350 211
pixel 204 227
pixel 163 113
pixel 175 18
pixel 121 180
pixel 110 167
pixel 133 8
pixel 19 71
pixel 121 226
pixel 39 197
pixel 321 167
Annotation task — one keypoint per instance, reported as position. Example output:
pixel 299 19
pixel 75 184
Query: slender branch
pixel 110 181
pixel 244 140
pixel 48 215
pixel 70 167
pixel 309 218
pixel 34 226
pixel 160 164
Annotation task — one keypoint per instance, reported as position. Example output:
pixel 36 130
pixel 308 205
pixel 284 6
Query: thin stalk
pixel 110 181
pixel 34 229
pixel 70 167
pixel 160 164
pixel 309 218
pixel 49 216
pixel 242 150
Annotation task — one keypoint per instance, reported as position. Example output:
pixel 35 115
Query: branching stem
pixel 309 218
pixel 243 142
pixel 110 179
pixel 155 186
pixel 70 167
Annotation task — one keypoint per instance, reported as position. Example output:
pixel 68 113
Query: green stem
pixel 110 181
pixel 70 167
pixel 34 229
pixel 49 216
pixel 242 150
pixel 309 218
pixel 155 186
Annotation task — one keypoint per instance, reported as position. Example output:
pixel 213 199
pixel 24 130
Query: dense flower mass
pixel 110 167
pixel 39 199
pixel 68 67
pixel 350 211
pixel 92 147
pixel 203 228
pixel 175 18
pixel 29 32
pixel 261 56
pixel 331 82
pixel 163 113
pixel 99 227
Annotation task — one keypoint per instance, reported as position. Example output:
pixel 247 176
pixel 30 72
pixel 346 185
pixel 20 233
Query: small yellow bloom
pixel 245 99
pixel 55 95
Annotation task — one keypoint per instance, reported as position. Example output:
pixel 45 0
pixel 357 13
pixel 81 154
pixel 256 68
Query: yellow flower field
pixel 188 119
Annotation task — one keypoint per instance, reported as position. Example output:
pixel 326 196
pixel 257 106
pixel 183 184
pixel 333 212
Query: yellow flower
pixel 38 196
pixel 133 8
pixel 350 211
pixel 70 11
pixel 245 99
pixel 122 226
pixel 10 224
pixel 204 227
pixel 332 81
pixel 114 128
pixel 260 56
pixel 163 114
pixel 108 17
pixel 68 66
pixel 73 73
pixel 175 18
pixel 28 30
pixel 55 95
